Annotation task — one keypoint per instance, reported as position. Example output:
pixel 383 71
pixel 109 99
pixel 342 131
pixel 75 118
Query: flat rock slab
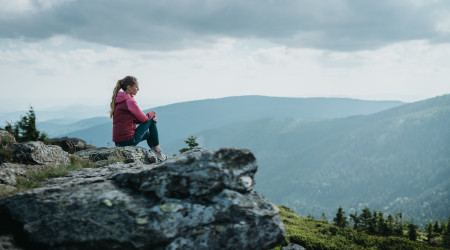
pixel 202 199
pixel 130 154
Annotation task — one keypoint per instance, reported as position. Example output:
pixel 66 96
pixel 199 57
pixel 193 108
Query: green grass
pixel 314 234
pixel 35 178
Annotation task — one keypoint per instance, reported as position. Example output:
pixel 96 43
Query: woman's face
pixel 132 90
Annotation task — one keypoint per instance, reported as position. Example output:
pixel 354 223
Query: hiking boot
pixel 159 154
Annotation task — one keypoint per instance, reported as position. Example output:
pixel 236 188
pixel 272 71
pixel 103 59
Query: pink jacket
pixel 126 115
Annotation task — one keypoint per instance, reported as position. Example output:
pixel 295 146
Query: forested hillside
pixel 394 160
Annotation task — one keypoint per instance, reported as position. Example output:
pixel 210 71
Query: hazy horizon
pixel 144 107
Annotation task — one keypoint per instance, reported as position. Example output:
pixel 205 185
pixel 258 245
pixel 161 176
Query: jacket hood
pixel 122 96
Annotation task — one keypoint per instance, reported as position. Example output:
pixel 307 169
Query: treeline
pixel 376 223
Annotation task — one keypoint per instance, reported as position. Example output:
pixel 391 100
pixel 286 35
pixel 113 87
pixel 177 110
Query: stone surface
pixel 6 138
pixel 198 200
pixel 104 156
pixel 10 171
pixel 293 246
pixel 70 145
pixel 37 153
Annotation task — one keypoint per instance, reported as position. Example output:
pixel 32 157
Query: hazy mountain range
pixel 180 120
pixel 394 160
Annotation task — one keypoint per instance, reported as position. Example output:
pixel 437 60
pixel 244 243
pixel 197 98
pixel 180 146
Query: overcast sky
pixel 55 53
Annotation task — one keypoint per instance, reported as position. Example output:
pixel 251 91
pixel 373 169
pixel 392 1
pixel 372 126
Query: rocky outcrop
pixel 129 154
pixel 16 159
pixel 202 199
pixel 6 138
pixel 37 153
pixel 70 145
pixel 10 171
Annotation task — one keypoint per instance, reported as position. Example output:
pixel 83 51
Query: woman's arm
pixel 136 111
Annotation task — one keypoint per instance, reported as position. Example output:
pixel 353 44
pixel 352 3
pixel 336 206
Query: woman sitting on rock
pixel 126 114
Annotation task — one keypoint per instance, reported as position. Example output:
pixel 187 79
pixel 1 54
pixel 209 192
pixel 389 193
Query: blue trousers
pixel 145 131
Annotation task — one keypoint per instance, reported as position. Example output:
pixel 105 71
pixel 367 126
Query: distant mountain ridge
pixel 180 120
pixel 397 159
pixel 59 115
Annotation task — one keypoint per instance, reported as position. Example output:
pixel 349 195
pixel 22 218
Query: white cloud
pixel 42 74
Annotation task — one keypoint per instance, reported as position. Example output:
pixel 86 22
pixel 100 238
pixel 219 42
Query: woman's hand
pixel 155 120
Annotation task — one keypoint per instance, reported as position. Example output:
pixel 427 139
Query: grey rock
pixel 9 173
pixel 198 200
pixel 37 153
pixel 104 156
pixel 293 246
pixel 70 145
pixel 6 138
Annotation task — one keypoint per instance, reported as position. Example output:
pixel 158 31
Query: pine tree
pixel 191 142
pixel 372 227
pixel 340 220
pixel 429 231
pixel 446 235
pixel 412 231
pixel 25 129
pixel 324 217
pixel 390 225
pixel 436 227
pixel 356 220
pixel 365 218
pixel 381 224
pixel 398 224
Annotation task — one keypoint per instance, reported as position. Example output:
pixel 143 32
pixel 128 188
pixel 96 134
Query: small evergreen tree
pixel 390 225
pixel 446 235
pixel 356 220
pixel 436 227
pixel 25 129
pixel 191 142
pixel 381 225
pixel 372 227
pixel 365 218
pixel 398 224
pixel 429 231
pixel 412 231
pixel 340 220
pixel 323 217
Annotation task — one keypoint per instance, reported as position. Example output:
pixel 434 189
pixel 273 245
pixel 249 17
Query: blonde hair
pixel 121 84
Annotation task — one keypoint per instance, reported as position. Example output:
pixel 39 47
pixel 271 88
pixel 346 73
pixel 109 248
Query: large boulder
pixel 130 154
pixel 198 200
pixel 6 138
pixel 70 145
pixel 37 153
